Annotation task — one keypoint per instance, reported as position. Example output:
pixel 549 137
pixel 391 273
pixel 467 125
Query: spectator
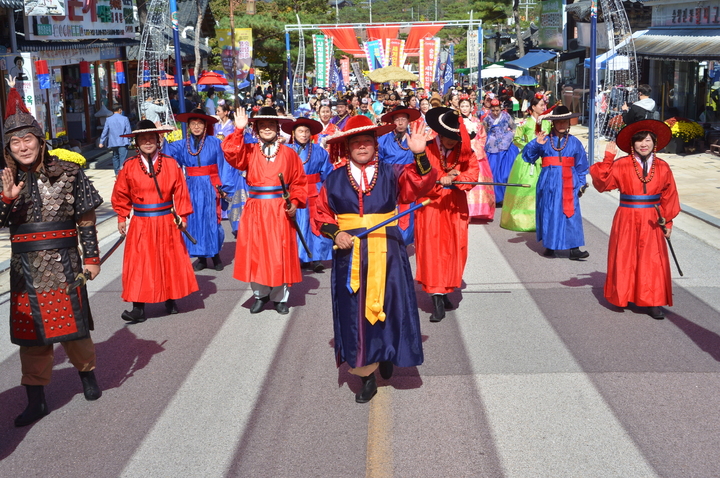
pixel 210 102
pixel 640 110
pixel 116 126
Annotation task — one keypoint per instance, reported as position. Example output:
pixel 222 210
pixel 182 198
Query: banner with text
pixel 375 54
pixel 429 48
pixel 395 49
pixel 345 69
pixel 322 49
pixel 243 48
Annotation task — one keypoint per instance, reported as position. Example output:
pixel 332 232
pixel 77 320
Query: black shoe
pixel 36 407
pixel 446 303
pixel 317 266
pixel 259 304
pixel 576 254
pixel 386 370
pixel 439 312
pixel 368 390
pixel 217 262
pixel 656 313
pixel 549 253
pixel 282 308
pixel 137 314
pixel 171 306
pixel 90 386
pixel 200 264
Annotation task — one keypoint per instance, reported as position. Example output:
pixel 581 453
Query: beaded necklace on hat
pixel 309 150
pixel 157 165
pixel 560 140
pixel 271 145
pixel 399 143
pixel 356 186
pixel 200 146
pixel 639 174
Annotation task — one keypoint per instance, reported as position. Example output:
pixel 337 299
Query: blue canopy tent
pixel 532 58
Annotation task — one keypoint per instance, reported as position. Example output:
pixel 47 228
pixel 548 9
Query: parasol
pixel 391 73
pixel 211 78
pixel 525 80
pixel 496 71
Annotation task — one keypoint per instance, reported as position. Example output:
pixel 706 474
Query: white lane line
pixel 198 432
pixel 546 415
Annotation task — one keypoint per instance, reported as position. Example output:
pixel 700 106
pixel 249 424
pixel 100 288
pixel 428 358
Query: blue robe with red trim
pixel 555 229
pixel 391 152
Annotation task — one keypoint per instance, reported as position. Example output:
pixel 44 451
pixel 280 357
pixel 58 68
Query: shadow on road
pixel 124 353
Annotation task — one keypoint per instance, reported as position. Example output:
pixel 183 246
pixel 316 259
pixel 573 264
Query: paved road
pixel 535 375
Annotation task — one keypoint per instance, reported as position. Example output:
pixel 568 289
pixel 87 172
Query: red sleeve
pixel 669 199
pixel 237 152
pixel 120 199
pixel 412 186
pixel 181 197
pixel 296 178
pixel 323 215
pixel 469 172
pixel 602 175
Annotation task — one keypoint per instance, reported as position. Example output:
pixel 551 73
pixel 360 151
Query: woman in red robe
pixel 441 227
pixel 267 253
pixel 156 265
pixel 638 264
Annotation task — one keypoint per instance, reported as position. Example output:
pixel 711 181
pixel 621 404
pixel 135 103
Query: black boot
pixel 200 264
pixel 368 390
pixel 90 386
pixel 386 369
pixel 137 314
pixel 282 308
pixel 446 302
pixel 217 262
pixel 259 304
pixel 171 306
pixel 439 312
pixel 656 313
pixel 317 266
pixel 549 253
pixel 36 407
pixel 576 254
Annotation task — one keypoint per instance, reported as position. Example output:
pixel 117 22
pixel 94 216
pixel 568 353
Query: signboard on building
pixel 686 15
pixel 85 20
pixel 552 25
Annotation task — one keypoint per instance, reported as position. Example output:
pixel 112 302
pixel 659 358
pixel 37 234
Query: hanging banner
pixel 362 81
pixel 428 58
pixel 243 48
pixel 375 55
pixel 472 50
pixel 322 49
pixel 345 69
pixel 394 52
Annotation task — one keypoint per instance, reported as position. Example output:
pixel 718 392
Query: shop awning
pixel 533 58
pixel 687 44
pixel 12 4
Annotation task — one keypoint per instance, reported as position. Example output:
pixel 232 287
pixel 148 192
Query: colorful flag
pixel 43 74
pixel 119 73
pixel 447 81
pixel 85 79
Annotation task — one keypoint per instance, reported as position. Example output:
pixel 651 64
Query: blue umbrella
pixel 525 80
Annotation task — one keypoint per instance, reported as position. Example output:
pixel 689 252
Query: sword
pixel 286 197
pixel 83 277
pixel 661 223
pixel 483 183
pixel 178 220
pixel 364 233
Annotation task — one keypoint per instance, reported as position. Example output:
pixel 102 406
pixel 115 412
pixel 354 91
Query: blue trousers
pixel 119 154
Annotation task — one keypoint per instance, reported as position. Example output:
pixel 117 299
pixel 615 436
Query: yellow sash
pixel 377 260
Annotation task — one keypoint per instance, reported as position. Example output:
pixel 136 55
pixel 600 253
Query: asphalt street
pixel 534 375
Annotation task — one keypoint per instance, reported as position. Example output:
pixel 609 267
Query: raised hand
pixel 611 149
pixel 241 119
pixel 10 189
pixel 542 137
pixel 419 138
pixel 10 81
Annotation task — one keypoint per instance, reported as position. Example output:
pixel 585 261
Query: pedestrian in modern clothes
pixel 638 262
pixel 116 126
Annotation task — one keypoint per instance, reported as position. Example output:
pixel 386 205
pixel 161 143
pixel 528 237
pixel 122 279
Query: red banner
pixel 394 52
pixel 428 58
pixel 418 32
pixel 345 69
pixel 344 39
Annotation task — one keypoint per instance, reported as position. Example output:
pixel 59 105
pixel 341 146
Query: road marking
pixel 379 441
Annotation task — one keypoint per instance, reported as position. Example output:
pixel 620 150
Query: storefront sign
pixel 552 25
pixel 686 14
pixel 85 20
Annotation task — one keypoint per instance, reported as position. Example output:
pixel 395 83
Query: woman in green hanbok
pixel 518 209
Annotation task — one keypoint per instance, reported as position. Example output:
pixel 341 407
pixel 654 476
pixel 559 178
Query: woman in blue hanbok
pixel 501 151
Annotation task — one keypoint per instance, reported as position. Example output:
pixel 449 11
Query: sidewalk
pixel 697 177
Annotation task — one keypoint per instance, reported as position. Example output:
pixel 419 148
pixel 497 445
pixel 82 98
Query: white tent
pixel 497 71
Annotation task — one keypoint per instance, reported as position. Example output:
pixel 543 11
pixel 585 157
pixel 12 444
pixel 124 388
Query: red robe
pixel 267 251
pixel 638 263
pixel 156 265
pixel 441 227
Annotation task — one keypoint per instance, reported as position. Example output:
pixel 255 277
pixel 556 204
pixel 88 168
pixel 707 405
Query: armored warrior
pixel 49 205
pixel 156 265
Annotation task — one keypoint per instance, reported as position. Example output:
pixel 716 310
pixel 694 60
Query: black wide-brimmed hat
pixel 147 126
pixel 389 117
pixel 315 126
pixel 658 128
pixel 559 113
pixel 445 122
pixel 269 113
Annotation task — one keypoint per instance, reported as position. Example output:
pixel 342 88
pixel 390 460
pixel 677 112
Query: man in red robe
pixel 638 264
pixel 156 265
pixel 267 253
pixel 441 228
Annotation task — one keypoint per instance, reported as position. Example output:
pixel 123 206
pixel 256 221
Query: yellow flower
pixel 173 136
pixel 67 155
pixel 685 129
pixel 61 133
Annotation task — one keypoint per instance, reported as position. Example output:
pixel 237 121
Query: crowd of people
pixel 355 179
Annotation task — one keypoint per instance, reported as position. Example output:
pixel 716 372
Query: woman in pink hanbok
pixel 481 199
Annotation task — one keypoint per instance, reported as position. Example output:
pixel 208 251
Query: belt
pixel 40 236
pixel 201 170
pixel 377 261
pixel 152 210
pixel 639 201
pixel 264 192
pixel 568 192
